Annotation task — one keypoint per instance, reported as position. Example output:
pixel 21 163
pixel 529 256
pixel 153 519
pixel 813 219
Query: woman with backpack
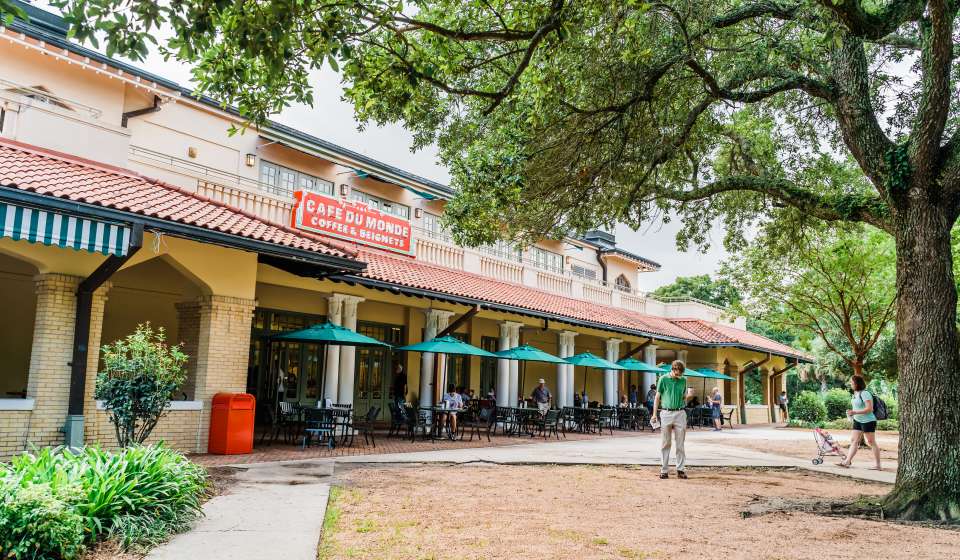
pixel 864 421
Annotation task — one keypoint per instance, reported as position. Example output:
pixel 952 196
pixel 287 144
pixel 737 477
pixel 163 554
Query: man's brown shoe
pixel 681 474
pixel 664 475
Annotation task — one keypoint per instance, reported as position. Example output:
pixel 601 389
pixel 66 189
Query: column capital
pixel 613 341
pixel 347 299
pixel 438 313
pixel 567 336
pixel 511 324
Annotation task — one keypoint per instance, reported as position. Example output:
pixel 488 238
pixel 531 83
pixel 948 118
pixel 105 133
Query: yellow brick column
pixel 216 335
pixel 91 417
pixel 52 351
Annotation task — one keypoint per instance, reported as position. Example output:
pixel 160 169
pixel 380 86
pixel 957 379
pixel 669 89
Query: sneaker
pixel 664 476
pixel 681 474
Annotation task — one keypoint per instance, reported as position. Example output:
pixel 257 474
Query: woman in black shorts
pixel 864 421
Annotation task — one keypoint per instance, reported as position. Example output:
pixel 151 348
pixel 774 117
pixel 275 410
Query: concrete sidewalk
pixel 275 510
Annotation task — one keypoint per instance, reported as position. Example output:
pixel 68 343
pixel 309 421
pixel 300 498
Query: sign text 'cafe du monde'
pixel 351 220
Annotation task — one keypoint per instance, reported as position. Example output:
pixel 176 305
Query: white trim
pixel 173 406
pixel 16 404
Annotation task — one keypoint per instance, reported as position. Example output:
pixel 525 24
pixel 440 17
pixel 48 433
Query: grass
pixel 331 520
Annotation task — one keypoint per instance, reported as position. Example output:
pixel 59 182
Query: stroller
pixel 826 445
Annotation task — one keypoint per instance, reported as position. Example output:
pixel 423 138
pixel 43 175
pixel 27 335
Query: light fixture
pixel 418 213
pixel 192 152
pixel 344 189
pixel 251 160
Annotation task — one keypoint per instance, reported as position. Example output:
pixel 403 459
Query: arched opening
pixel 622 283
pixel 18 302
pixel 150 292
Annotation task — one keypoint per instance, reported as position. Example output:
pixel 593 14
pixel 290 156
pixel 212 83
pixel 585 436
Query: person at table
pixel 634 396
pixel 464 395
pixel 692 400
pixel 670 401
pixel 577 401
pixel 399 384
pixel 452 403
pixel 651 395
pixel 716 406
pixel 623 401
pixel 542 396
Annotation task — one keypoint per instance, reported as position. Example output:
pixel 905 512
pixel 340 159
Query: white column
pixel 515 388
pixel 504 366
pixel 561 386
pixel 436 321
pixel 610 375
pixel 682 356
pixel 649 377
pixel 348 353
pixel 331 371
pixel 569 349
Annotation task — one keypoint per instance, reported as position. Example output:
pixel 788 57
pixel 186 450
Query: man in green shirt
pixel 670 401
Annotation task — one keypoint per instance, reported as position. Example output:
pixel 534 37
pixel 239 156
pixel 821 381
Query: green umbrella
pixel 633 364
pixel 589 360
pixel 328 334
pixel 447 345
pixel 714 374
pixel 526 353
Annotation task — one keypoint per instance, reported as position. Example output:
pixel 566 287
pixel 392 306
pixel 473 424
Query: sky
pixel 331 118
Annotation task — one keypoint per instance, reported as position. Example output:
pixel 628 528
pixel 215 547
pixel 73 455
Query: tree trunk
pixel 928 479
pixel 858 368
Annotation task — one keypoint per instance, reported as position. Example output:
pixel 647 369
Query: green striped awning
pixel 62 230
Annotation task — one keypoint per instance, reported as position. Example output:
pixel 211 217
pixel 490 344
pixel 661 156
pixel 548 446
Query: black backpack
pixel 879 408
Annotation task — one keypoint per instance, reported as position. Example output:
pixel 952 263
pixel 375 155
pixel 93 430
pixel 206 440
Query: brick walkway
pixel 289 452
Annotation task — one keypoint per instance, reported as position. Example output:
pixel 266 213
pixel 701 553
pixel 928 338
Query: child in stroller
pixel 826 445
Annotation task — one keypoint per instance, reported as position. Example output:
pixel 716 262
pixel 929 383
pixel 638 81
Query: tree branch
pixel 875 24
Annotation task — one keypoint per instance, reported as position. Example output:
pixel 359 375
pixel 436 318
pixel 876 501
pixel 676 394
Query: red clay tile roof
pixel 405 271
pixel 42 171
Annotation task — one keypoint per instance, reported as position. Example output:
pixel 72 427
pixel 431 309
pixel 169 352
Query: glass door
pixel 374 366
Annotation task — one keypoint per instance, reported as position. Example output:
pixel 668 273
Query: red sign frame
pixel 352 221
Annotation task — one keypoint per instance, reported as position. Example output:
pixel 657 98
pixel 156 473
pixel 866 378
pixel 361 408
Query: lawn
pixel 484 511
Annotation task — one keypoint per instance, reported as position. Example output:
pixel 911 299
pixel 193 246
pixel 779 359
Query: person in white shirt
pixel 452 402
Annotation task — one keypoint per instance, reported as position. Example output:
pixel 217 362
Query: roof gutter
pixel 125 118
pixel 193 233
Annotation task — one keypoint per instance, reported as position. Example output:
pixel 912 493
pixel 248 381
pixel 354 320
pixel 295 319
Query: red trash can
pixel 231 424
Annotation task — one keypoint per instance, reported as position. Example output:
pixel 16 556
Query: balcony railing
pixel 276 205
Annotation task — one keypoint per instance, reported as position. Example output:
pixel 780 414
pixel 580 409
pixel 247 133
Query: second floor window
pixel 433 227
pixel 385 206
pixel 285 180
pixel 547 260
pixel 622 283
pixel 584 272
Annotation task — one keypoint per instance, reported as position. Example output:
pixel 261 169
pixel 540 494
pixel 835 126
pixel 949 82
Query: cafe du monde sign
pixel 352 221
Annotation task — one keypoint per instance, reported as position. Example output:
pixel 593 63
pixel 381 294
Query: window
pixel 584 272
pixel 385 206
pixel 622 283
pixel 505 250
pixel 433 227
pixel 547 260
pixel 285 180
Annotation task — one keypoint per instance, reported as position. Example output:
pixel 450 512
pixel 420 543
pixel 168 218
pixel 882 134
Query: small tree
pixel 140 373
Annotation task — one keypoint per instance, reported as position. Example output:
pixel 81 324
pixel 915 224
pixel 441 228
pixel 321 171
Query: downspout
pixel 73 430
pixel 603 265
pixel 140 112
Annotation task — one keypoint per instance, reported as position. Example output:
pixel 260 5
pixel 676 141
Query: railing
pixel 264 206
pixel 44 96
pixel 204 173
pixel 442 254
pixel 685 299
pixel 556 283
pixel 633 302
pixel 501 269
pixel 597 294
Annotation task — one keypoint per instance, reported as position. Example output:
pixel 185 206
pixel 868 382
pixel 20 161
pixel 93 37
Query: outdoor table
pixel 581 415
pixel 436 431
pixel 524 419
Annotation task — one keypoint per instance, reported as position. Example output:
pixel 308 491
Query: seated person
pixel 453 403
pixel 577 401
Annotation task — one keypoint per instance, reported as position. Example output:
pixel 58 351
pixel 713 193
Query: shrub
pixel 839 424
pixel 137 496
pixel 38 522
pixel 888 425
pixel 808 407
pixel 140 374
pixel 837 402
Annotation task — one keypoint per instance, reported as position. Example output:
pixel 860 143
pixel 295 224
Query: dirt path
pixel 466 512
pixel 802 446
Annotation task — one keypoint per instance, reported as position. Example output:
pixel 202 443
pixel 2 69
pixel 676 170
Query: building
pixel 125 200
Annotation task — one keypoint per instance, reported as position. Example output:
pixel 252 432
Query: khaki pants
pixel 543 407
pixel 672 422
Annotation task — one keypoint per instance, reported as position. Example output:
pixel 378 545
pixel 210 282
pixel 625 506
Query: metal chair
pixel 485 420
pixel 397 419
pixel 319 424
pixel 549 424
pixel 365 426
